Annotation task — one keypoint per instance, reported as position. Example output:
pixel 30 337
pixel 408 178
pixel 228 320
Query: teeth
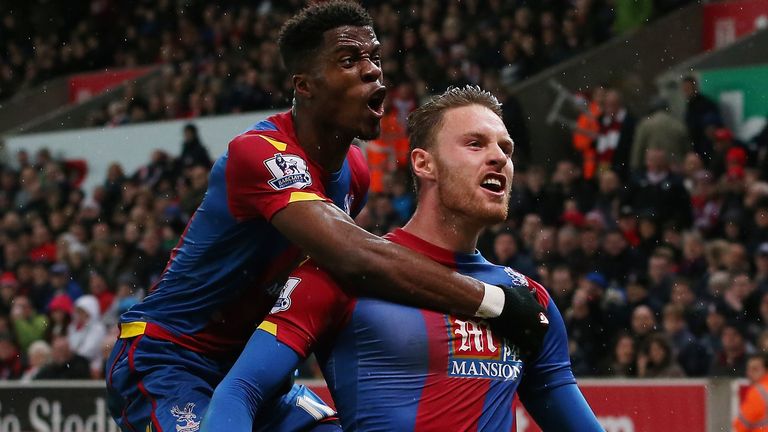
pixel 492 181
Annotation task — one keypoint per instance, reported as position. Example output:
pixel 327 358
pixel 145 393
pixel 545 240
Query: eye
pixel 475 144
pixel 347 62
pixel 376 59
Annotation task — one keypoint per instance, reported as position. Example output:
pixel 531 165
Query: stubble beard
pixel 459 197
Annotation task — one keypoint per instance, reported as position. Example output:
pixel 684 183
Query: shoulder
pixel 262 142
pixel 518 279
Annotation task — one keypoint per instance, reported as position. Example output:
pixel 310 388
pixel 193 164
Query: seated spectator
pixel 86 331
pixel 65 364
pixel 61 282
pixel 623 363
pixel 657 360
pixel 38 356
pixel 687 352
pixel 643 325
pixel 731 359
pixel 30 326
pixel 59 316
pixel 507 253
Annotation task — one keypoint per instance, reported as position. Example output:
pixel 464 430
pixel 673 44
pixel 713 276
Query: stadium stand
pixel 655 252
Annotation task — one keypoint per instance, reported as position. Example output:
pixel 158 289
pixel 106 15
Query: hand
pixel 523 321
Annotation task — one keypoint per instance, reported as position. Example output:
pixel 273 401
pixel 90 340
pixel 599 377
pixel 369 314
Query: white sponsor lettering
pixel 472 333
pixel 9 422
pixel 609 423
pixel 46 416
pixel 485 369
pixel 616 424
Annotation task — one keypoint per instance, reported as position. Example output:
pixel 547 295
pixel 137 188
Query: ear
pixel 423 164
pixel 302 85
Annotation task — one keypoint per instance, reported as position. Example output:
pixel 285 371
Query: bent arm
pixel 390 272
pixel 561 408
pixel 263 369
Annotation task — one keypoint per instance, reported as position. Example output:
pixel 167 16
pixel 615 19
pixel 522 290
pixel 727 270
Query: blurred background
pixel 640 197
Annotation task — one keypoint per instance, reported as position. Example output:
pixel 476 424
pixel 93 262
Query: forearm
pixel 372 266
pixel 379 268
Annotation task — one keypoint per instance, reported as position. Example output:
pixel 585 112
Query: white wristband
pixel 493 302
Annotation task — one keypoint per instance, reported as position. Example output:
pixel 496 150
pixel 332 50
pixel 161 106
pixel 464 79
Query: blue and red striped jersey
pixel 223 275
pixel 393 367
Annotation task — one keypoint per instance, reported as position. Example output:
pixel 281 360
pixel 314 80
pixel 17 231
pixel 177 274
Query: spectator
pixel 659 192
pixel 663 131
pixel 686 351
pixel 193 152
pixel 86 331
pixel 30 326
pixel 753 412
pixel 65 364
pixel 643 325
pixel 731 359
pixel 624 361
pixel 614 142
pixel 702 118
pixel 507 253
pixel 657 361
pixel 38 355
pixel 59 317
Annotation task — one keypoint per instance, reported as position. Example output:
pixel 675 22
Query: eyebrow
pixel 355 47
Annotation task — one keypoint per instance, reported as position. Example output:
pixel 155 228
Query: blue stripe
pixel 264 125
pixel 337 188
pixel 380 368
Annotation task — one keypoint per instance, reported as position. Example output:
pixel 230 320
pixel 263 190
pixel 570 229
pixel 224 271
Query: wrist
pixel 493 302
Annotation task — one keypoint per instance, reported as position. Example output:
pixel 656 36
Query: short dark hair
pixel 425 121
pixel 303 33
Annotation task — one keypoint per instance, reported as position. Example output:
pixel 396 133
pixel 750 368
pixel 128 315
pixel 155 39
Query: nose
pixel 371 72
pixel 497 156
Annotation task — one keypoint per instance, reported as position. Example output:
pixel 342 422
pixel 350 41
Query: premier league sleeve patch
pixel 288 171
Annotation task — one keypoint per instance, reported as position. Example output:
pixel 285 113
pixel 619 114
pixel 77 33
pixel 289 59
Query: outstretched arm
pixel 389 271
pixel 263 369
pixel 548 389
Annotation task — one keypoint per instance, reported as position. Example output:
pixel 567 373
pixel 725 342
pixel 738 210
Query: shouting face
pixel 347 83
pixel 472 166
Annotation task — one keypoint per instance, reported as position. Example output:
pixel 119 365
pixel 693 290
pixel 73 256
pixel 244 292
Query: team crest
pixel 283 302
pixel 288 171
pixel 517 278
pixel 185 418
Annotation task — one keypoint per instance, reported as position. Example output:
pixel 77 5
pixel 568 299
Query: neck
pixel 444 228
pixel 326 147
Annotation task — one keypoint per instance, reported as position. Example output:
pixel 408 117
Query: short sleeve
pixel 263 176
pixel 310 309
pixel 552 367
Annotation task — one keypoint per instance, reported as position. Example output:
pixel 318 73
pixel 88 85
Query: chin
pixel 369 134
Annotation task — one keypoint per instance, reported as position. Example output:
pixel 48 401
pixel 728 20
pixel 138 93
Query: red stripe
pixel 439 408
pixel 541 293
pixel 117 357
pixel 146 394
pixel 142 389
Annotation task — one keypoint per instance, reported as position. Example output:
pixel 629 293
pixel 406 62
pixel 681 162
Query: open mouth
pixel 495 183
pixel 376 101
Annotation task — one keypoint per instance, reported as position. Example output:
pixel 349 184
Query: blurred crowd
pixel 223 58
pixel 652 241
